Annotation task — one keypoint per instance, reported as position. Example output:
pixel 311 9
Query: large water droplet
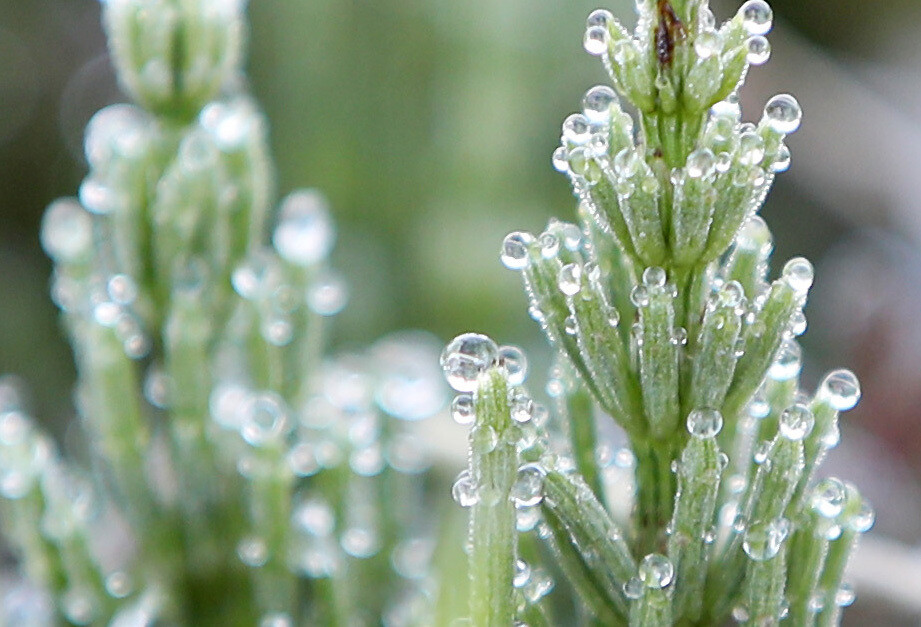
pixel 841 389
pixel 597 103
pixel 783 113
pixel 757 17
pixel 528 488
pixel 701 163
pixel 796 422
pixel 759 50
pixel 596 40
pixel 464 490
pixel 465 358
pixel 570 279
pixel 513 360
pixel 704 423
pixel 515 248
pixel 656 571
pixel 762 541
pixel 829 497
pixel 576 129
pixel 787 362
pixel 798 274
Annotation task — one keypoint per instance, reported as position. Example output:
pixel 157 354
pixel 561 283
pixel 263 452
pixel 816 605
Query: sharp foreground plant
pixel 230 476
pixel 659 306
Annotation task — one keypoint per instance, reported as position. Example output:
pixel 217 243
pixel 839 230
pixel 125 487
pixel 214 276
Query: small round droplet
pixel 305 232
pixel 656 571
pixel 751 148
pixel 708 43
pixel 740 614
pixel 570 279
pixel 796 422
pixel 599 17
pixel 561 159
pixel 570 325
pixel 829 498
pixel 596 40
pixel 863 520
pixel 762 541
pixel 515 363
pixel 549 245
pixel 522 574
pixel 265 418
pixel 798 274
pixel 639 296
pixel 483 439
pixel 634 588
pixel 576 129
pixel 654 277
pixel 464 490
pixel 845 595
pixel 527 490
pixel 465 358
pixel 462 409
pixel 787 362
pixel 783 114
pixel 759 50
pixel 704 423
pixel 841 389
pixel 67 230
pixel 701 163
pixel 757 17
pixel 597 103
pixel 515 250
pixel 328 294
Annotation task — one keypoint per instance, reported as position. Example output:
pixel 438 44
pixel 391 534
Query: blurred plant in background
pixel 235 476
pixel 702 376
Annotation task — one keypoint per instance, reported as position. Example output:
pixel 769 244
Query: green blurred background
pixel 430 123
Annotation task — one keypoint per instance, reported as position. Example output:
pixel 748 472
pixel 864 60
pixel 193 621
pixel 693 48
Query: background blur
pixel 430 123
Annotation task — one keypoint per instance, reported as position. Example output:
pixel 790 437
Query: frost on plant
pixel 232 475
pixel 667 323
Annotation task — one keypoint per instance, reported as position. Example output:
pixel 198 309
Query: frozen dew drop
pixel 783 114
pixel 465 358
pixel 798 274
pixel 464 490
pixel 462 409
pixel 515 248
pixel 787 362
pixel 757 17
pixel 67 230
pixel 527 490
pixel 704 423
pixel 829 498
pixel 576 129
pixel 570 279
pixel 597 104
pixel 304 234
pixel 700 163
pixel 759 50
pixel 762 541
pixel 634 588
pixel 708 43
pixel 253 551
pixel 656 571
pixel 841 389
pixel 796 422
pixel 596 40
pixel 560 159
pixel 863 520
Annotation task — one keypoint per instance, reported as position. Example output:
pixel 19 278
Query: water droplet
pixel 576 130
pixel 708 43
pixel 787 362
pixel 360 542
pixel 829 498
pixel 527 490
pixel 798 274
pixel 634 588
pixel 265 418
pixel 99 198
pixel 751 148
pixel 570 325
pixel 561 159
pixel 736 484
pixel 464 490
pixel 700 163
pixel 845 595
pixel 639 296
pixel 305 233
pixel 704 423
pixel 762 541
pixel 483 439
pixel 549 245
pixel 656 571
pixel 465 358
pixel 599 17
pixel 798 323
pixel 79 606
pixel 759 50
pixel 863 520
pixel 740 614
pixel 521 408
pixel 540 585
pixel 118 584
pixel 597 103
pixel 679 337
pixel 796 422
pixel 67 230
pixel 757 17
pixel 253 551
pixel 327 294
pixel 841 389
pixel 276 619
pixel 783 114
pixel 515 250
pixel 462 409
pixel 596 40
pixel 570 279
pixel 522 574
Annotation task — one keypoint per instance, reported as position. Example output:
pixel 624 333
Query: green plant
pixel 232 474
pixel 659 306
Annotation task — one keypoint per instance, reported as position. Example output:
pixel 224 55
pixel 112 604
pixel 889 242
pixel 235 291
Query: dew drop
pixel 845 595
pixel 265 418
pixel 829 497
pixel 841 389
pixel 483 439
pixel 570 279
pixel 763 541
pixel 597 104
pixel 549 245
pixel 596 40
pixel 253 551
pixel 704 423
pixel 465 358
pixel 462 409
pixel 759 50
pixel 464 490
pixel 798 274
pixel 740 614
pixel 783 114
pixel 304 234
pixel 634 588
pixel 522 574
pixel 639 296
pixel 570 325
pixel 599 17
pixel 708 43
pixel 863 520
pixel 67 230
pixel 515 248
pixel 757 17
pixel 560 159
pixel 527 490
pixel 328 294
pixel 796 422
pixel 787 362
pixel 701 163
pixel 751 148
pixel 656 571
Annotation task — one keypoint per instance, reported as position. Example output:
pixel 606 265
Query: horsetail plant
pixel 232 475
pixel 666 324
